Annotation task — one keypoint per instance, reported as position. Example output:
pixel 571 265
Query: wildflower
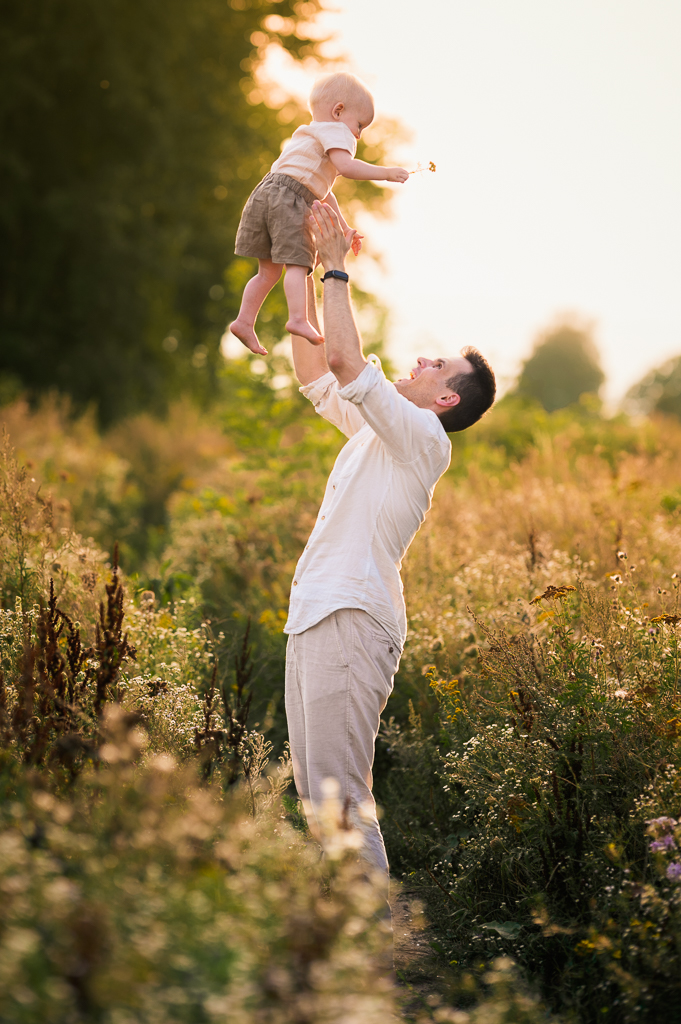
pixel 553 593
pixel 674 871
pixel 671 620
pixel 666 843
pixel 663 822
pixel 420 169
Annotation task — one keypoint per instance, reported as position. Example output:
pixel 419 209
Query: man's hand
pixel 333 244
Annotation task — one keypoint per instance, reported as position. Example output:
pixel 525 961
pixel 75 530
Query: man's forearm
pixel 341 337
pixel 309 360
pixel 342 341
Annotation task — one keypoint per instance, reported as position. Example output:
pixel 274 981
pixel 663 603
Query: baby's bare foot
pixel 304 329
pixel 247 336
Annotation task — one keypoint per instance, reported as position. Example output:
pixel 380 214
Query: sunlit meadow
pixel 155 865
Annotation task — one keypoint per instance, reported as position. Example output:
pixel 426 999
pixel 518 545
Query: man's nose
pixel 423 362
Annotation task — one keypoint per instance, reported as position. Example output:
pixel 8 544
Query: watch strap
pixel 340 275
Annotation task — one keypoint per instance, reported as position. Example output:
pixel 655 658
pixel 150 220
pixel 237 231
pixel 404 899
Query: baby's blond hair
pixel 339 87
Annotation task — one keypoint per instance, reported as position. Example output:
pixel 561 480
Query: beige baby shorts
pixel 274 225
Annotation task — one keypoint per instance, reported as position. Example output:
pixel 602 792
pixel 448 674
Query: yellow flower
pixel 553 593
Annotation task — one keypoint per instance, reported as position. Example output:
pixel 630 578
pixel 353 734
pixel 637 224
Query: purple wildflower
pixel 674 871
pixel 663 822
pixel 666 843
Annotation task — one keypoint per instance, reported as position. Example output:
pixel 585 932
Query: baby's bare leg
pixel 295 287
pixel 255 293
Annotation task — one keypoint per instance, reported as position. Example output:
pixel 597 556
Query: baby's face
pixel 356 117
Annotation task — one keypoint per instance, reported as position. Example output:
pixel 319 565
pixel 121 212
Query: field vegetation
pixel 154 498
pixel 528 767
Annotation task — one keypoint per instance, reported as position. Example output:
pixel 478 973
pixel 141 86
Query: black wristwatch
pixel 339 274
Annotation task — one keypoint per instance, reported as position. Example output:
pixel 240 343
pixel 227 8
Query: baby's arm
pixel 360 170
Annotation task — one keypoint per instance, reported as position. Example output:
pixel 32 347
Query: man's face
pixel 426 386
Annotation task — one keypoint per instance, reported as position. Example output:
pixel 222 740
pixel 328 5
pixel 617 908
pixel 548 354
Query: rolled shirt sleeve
pixel 324 395
pixel 406 431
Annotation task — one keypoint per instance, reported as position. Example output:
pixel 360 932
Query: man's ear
pixel 338 110
pixel 448 401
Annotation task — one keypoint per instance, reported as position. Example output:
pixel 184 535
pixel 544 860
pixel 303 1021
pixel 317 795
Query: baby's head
pixel 342 97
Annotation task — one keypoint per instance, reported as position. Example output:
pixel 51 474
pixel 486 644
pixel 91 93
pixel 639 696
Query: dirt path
pixel 416 966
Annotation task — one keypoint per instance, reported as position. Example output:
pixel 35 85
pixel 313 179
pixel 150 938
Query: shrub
pixel 534 839
pixel 565 881
pixel 145 896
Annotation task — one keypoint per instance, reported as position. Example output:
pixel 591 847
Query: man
pixel 347 620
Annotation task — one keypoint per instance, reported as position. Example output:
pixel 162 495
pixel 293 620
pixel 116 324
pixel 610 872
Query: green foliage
pixel 131 135
pixel 38 544
pixel 56 688
pixel 533 843
pixel 519 427
pixel 121 192
pixel 639 946
pixel 142 896
pixel 504 999
pixel 659 391
pixel 499 697
pixel 563 366
pixel 131 890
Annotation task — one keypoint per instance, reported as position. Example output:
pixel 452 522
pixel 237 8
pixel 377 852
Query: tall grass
pixel 148 870
pixel 539 710
pixel 529 761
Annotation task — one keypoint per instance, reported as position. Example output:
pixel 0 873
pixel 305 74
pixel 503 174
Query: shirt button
pixel 295 583
pixel 334 487
pixel 323 517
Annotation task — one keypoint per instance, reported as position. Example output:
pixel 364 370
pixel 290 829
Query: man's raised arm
pixel 309 361
pixel 341 337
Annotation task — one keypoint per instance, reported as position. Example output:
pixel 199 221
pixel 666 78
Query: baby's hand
pixel 396 174
pixel 357 243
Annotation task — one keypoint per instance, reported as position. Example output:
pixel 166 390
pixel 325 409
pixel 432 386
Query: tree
pixel 563 366
pixel 131 132
pixel 658 391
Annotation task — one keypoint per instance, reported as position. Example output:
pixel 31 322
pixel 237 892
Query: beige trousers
pixel 339 675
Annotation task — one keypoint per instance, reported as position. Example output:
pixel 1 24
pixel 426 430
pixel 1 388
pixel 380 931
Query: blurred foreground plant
pixel 147 897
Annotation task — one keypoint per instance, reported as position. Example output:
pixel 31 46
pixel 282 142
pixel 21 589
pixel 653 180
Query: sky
pixel 555 129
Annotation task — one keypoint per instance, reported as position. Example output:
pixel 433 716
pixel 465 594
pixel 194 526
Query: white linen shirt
pixel 376 499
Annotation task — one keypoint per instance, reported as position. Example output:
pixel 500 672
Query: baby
pixel 275 225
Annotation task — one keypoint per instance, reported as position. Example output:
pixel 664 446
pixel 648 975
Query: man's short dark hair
pixel 476 389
